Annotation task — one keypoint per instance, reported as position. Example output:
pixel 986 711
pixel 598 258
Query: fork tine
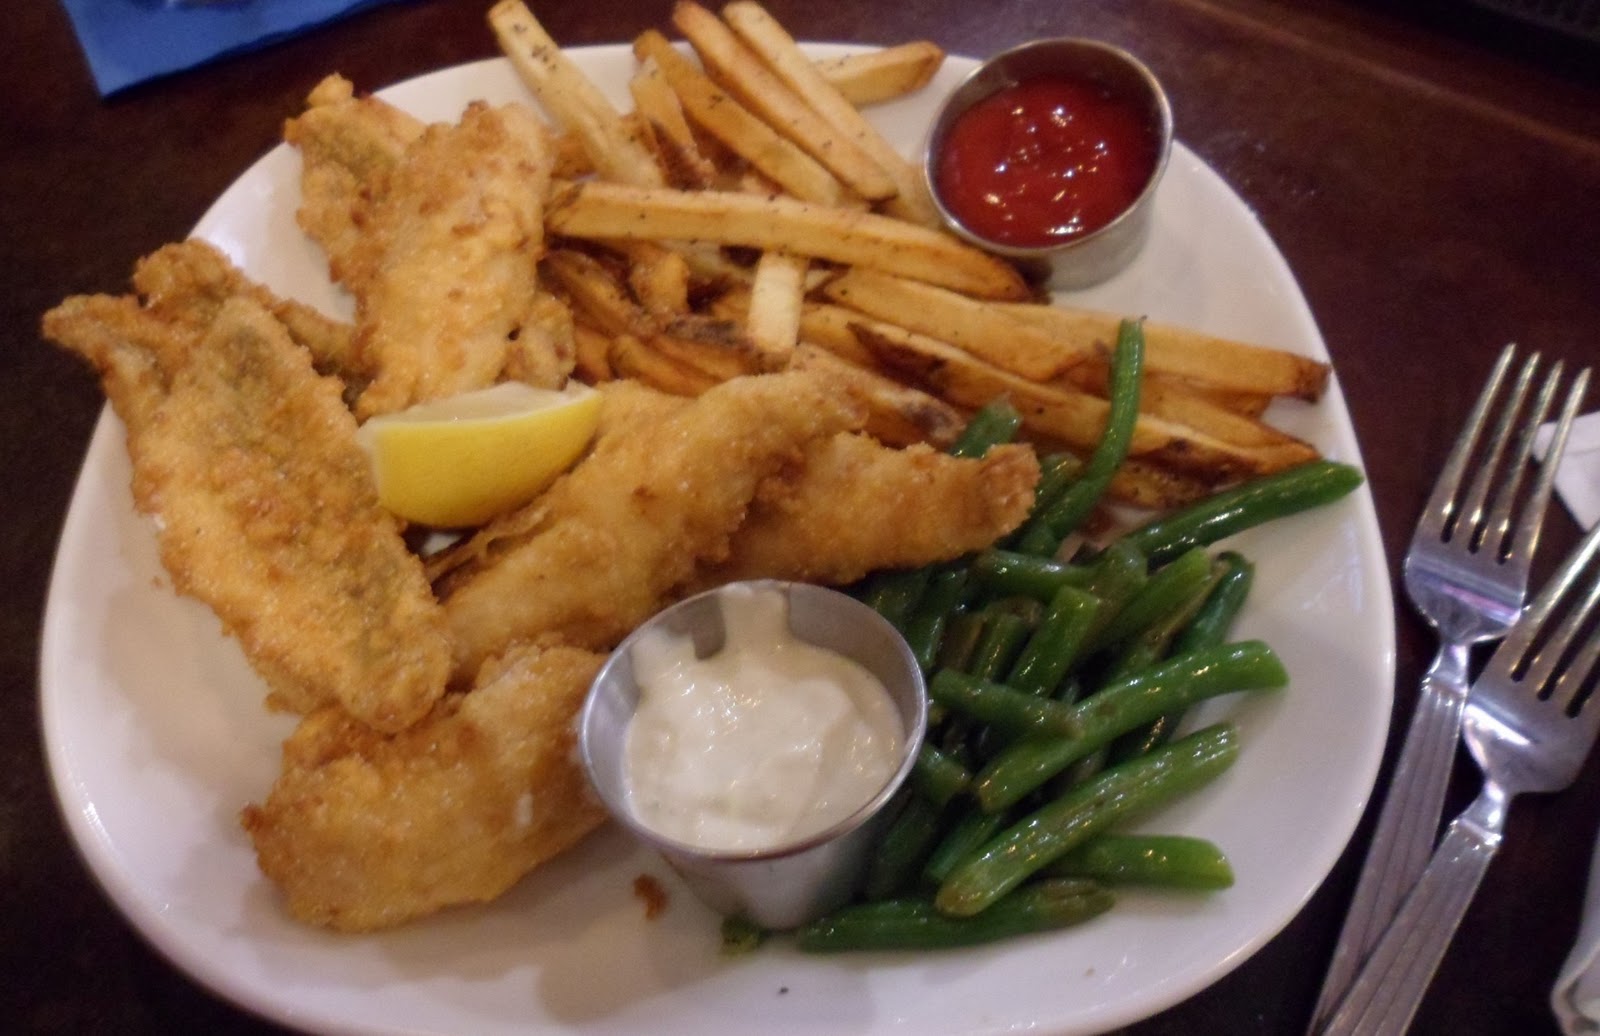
pixel 1526 538
pixel 1437 516
pixel 1469 522
pixel 1497 527
pixel 1512 656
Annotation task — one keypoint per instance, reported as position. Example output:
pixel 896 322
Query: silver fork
pixel 1467 574
pixel 1530 721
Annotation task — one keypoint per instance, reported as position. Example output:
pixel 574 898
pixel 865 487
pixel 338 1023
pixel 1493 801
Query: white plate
pixel 156 737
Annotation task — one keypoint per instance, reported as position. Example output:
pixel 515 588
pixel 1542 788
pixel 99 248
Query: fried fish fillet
pixel 437 231
pixel 264 504
pixel 857 505
pixel 364 831
pixel 604 548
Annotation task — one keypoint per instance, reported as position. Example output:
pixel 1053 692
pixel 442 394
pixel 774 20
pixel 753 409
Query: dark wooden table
pixel 1431 173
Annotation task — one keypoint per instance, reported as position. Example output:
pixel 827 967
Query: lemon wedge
pixel 462 460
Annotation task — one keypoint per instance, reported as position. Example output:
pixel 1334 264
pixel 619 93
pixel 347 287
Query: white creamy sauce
pixel 764 743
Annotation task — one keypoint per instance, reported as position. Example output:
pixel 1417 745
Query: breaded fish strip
pixel 264 504
pixel 857 505
pixel 365 831
pixel 446 272
pixel 348 146
pixel 605 546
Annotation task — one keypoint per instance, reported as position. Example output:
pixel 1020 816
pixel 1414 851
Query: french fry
pixel 772 44
pixel 737 68
pixel 830 327
pixel 598 298
pixel 1202 358
pixel 592 363
pixel 713 345
pixel 572 100
pixel 719 114
pixel 676 149
pixel 854 238
pixel 772 319
pixel 1156 488
pixel 1065 414
pixel 631 358
pixel 897 414
pixel 876 76
pixel 985 331
pixel 659 278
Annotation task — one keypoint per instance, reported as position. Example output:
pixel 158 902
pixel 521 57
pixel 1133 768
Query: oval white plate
pixel 156 735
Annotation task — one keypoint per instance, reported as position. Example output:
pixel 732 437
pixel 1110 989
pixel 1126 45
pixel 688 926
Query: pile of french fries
pixel 745 217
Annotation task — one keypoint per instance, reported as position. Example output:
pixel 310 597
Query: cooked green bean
pixel 1167 590
pixel 1057 642
pixel 1004 633
pixel 938 775
pixel 895 593
pixel 904 848
pixel 972 829
pixel 1243 506
pixel 924 628
pixel 914 924
pixel 1012 572
pixel 992 425
pixel 1169 861
pixel 1083 812
pixel 1013 712
pixel 962 635
pixel 1123 706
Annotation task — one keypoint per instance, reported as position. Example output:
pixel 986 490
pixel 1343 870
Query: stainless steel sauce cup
pixel 787 885
pixel 1093 257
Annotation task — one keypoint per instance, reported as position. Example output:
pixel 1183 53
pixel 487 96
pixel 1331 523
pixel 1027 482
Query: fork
pixel 1467 574
pixel 1530 721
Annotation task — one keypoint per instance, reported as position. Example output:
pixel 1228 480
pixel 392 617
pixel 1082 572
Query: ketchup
pixel 1044 161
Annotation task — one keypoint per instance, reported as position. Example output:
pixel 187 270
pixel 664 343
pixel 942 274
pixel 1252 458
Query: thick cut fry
pixel 266 505
pixel 575 103
pixel 1067 414
pixel 659 278
pixel 656 497
pixel 615 212
pixel 857 506
pixel 593 362
pixel 875 76
pixel 598 297
pixel 737 68
pixel 773 44
pixel 631 358
pixel 714 345
pixel 363 832
pixel 772 320
pixel 833 328
pixel 984 330
pixel 717 112
pixel 1205 359
pixel 897 415
pixel 677 151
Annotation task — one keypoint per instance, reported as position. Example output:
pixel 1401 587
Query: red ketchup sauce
pixel 1043 162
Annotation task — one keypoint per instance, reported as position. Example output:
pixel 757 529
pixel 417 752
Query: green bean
pixel 1169 861
pixel 1241 507
pixel 1082 813
pixel 914 924
pixel 962 635
pixel 1057 642
pixel 924 628
pixel 1004 633
pixel 895 593
pixel 992 425
pixel 938 775
pixel 1067 513
pixel 1013 573
pixel 1123 706
pixel 1119 572
pixel 1168 589
pixel 904 847
pixel 1011 711
pixel 965 837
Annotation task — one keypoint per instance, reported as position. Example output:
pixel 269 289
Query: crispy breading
pixel 446 270
pixel 264 504
pixel 364 831
pixel 603 549
pixel 856 505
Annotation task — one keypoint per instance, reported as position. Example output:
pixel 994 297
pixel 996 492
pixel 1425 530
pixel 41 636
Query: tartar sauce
pixel 762 744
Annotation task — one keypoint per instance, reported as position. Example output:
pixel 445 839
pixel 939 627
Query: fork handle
pixel 1406 826
pixel 1389 987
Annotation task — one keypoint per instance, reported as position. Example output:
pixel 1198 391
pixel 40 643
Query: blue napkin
pixel 129 41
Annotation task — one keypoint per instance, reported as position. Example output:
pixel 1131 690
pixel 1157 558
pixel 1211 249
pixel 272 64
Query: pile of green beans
pixel 1055 687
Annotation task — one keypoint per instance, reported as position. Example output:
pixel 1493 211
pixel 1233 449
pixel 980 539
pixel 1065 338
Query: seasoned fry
pixel 773 44
pixel 1202 358
pixel 736 67
pixel 714 345
pixel 985 331
pixel 659 278
pixel 897 414
pixel 772 320
pixel 593 363
pixel 596 294
pixel 615 212
pixel 1066 414
pixel 632 358
pixel 875 76
pixel 614 148
pixel 740 130
pixel 832 328
pixel 677 150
